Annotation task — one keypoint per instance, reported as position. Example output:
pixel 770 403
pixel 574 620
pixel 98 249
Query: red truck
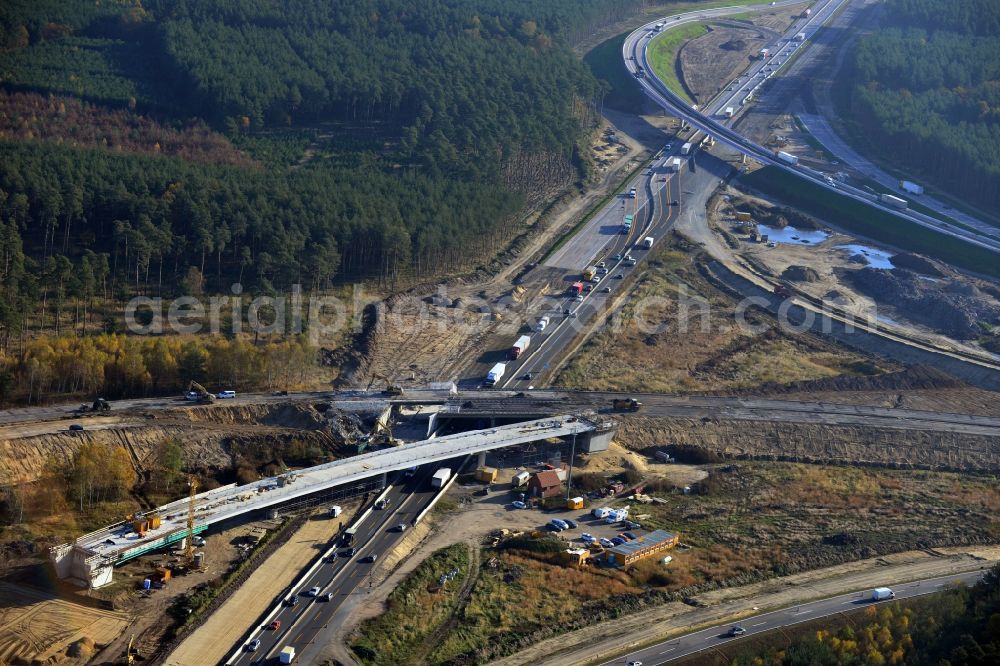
pixel 576 288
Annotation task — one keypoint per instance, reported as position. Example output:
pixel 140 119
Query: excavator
pixel 100 406
pixel 390 389
pixel 198 393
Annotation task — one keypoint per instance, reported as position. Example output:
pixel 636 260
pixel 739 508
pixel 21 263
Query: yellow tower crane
pixel 189 541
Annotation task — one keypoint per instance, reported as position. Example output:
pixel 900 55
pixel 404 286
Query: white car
pixel 587 537
pixel 226 394
pixel 639 663
pixel 518 504
pixel 313 592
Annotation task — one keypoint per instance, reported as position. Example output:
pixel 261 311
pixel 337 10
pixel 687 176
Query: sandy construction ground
pixel 36 626
pixel 214 641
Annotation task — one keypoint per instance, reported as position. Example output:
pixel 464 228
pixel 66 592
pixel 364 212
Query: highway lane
pixel 712 637
pixel 634 55
pixel 660 189
pixel 303 623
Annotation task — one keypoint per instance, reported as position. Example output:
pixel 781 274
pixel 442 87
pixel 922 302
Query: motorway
pixel 718 635
pixel 634 53
pixel 303 623
pixel 659 188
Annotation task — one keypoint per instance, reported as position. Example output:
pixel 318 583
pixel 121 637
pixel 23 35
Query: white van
pixel 226 394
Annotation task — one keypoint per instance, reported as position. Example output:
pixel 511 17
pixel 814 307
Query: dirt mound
pixel 958 309
pixel 735 45
pixel 82 649
pixel 773 216
pixel 800 274
pixel 918 264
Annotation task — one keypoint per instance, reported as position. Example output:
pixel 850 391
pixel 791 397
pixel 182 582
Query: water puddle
pixel 792 235
pixel 874 258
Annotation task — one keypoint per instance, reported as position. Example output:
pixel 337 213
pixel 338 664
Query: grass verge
pixel 605 63
pixel 414 609
pixel 663 55
pixel 875 224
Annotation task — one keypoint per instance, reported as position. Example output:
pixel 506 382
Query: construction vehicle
pixel 783 290
pixel 198 393
pixel 626 404
pixel 130 652
pixel 390 389
pixel 99 406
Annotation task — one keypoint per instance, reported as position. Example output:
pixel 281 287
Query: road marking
pixel 758 624
pixel 670 650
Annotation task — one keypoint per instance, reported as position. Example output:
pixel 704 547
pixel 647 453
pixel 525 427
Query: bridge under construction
pixel 91 559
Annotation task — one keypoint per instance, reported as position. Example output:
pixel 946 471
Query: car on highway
pixel 401 527
pixel 328 596
pixel 675 202
pixel 292 600
pixel 347 554
pixel 76 427
pixel 602 264
pixel 382 503
pixel 274 626
pixel 588 288
pixel 607 543
pixel 668 147
pixel 606 290
pixel 369 558
pixel 620 276
pixel 569 314
pixel 737 631
pixel 313 591
pixel 579 297
pixel 528 376
pixel 518 504
pixel 253 645
pixel 617 257
pixel 639 663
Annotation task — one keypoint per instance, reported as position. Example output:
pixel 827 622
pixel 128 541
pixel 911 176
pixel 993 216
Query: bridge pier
pixel 597 440
pixel 482 459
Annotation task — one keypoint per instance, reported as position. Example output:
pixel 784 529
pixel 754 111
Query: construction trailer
pixel 574 503
pixel 648 545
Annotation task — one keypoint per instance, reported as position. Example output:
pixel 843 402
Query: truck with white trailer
pixel 893 201
pixel 494 375
pixel 911 187
pixel 728 113
pixel 800 36
pixel 686 148
pixel 648 241
pixel 882 593
pixel 541 324
pixel 787 158
pixel 287 655
pixel 518 347
pixel 676 165
pixel 441 477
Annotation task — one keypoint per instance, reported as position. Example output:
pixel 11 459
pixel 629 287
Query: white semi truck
pixel 440 477
pixel 787 158
pixel 494 375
